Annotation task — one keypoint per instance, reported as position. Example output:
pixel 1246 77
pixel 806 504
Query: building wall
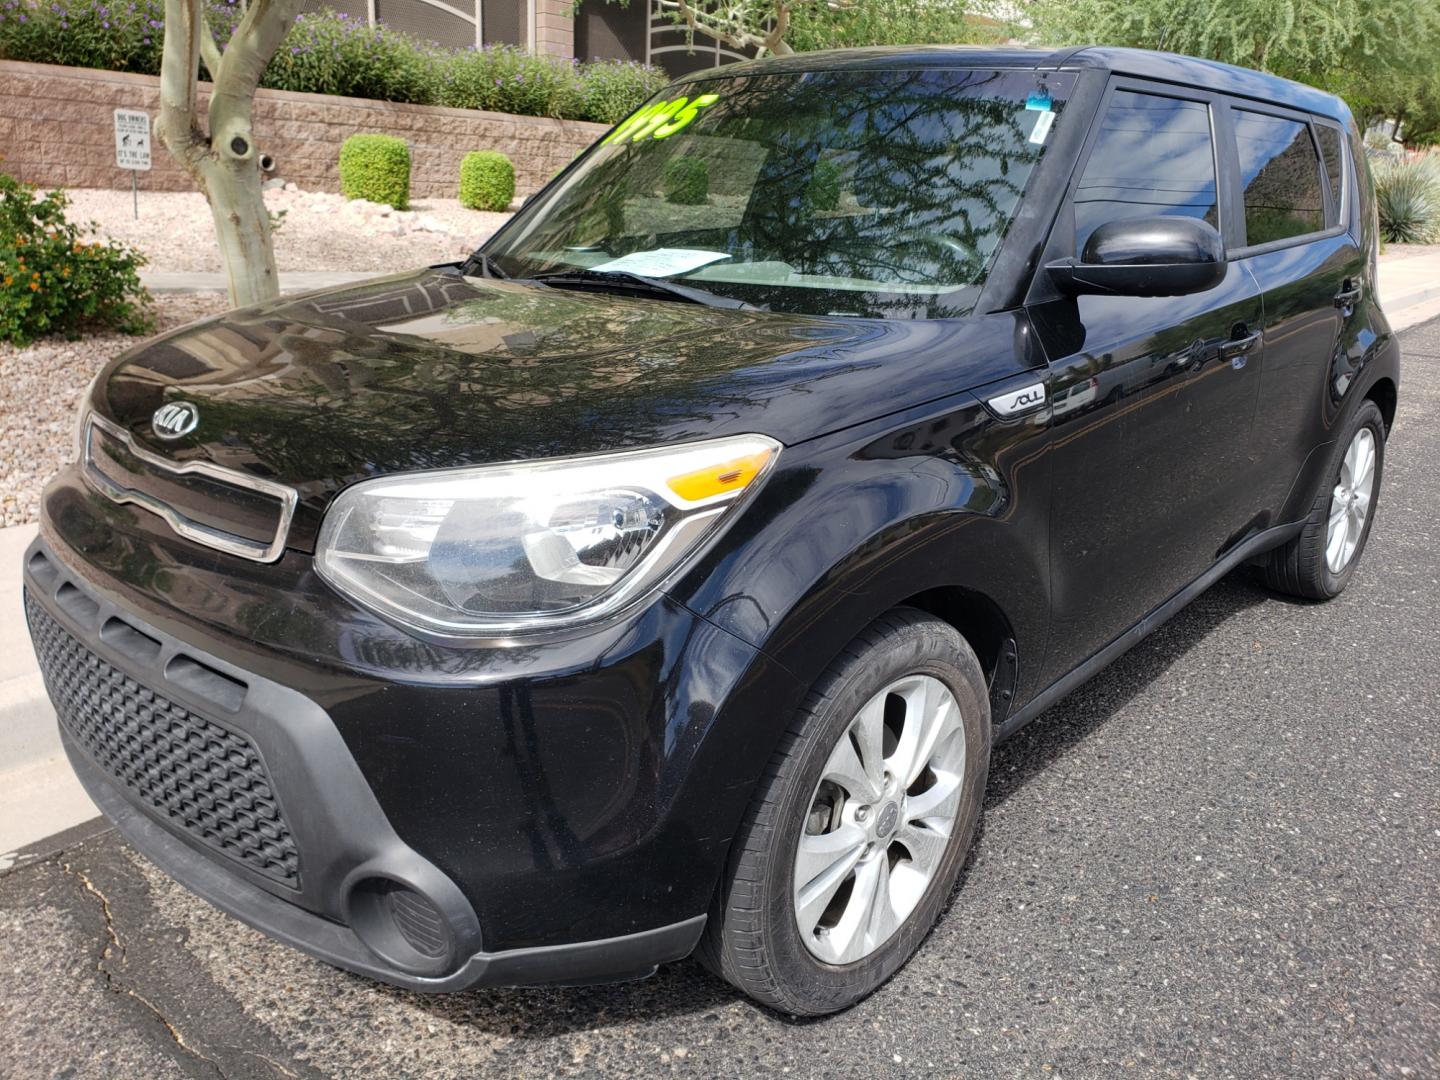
pixel 57 130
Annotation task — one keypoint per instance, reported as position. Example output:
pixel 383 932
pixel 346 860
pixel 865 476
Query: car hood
pixel 432 369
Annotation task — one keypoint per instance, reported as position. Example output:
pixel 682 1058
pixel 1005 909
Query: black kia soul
pixel 659 579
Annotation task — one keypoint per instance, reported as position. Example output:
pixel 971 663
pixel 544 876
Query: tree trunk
pixel 225 165
pixel 242 228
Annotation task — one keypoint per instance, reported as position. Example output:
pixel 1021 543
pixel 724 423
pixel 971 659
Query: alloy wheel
pixel 880 820
pixel 1350 501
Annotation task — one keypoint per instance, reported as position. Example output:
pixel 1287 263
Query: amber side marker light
pixel 722 478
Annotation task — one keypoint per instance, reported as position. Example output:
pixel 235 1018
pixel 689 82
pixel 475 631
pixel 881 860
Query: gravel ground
pixel 321 231
pixel 39 388
pixel 1220 858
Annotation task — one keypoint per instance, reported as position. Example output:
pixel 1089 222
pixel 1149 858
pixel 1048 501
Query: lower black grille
pixel 201 777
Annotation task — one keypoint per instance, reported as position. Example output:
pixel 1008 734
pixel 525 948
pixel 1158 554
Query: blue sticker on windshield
pixel 1039 100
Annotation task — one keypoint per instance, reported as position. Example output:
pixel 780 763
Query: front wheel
pixel 860 826
pixel 1318 563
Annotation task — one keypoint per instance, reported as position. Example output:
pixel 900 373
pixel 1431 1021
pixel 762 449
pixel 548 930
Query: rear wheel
pixel 1317 564
pixel 860 826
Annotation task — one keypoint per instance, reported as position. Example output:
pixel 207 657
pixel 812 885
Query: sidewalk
pixel 291 281
pixel 1410 288
pixel 39 795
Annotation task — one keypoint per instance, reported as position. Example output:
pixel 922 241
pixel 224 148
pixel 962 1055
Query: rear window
pixel 1334 159
pixel 1280 171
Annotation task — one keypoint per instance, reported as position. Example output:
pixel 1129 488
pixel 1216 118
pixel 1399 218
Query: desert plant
pixel 686 181
pixel 376 167
pixel 56 278
pixel 1407 196
pixel 487 181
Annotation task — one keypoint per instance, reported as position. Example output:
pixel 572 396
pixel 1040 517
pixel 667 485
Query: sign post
pixel 132 148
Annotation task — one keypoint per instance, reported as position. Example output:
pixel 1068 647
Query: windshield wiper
pixel 482 265
pixel 624 279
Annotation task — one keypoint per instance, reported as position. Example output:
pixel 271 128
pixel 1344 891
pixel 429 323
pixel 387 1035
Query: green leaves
pixel 377 168
pixel 487 181
pixel 55 278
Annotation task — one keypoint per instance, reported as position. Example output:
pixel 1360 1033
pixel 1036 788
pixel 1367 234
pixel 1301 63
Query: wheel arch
pixel 1386 396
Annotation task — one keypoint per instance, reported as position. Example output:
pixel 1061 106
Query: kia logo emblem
pixel 175 420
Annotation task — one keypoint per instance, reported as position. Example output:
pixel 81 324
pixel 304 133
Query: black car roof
pixel 1144 63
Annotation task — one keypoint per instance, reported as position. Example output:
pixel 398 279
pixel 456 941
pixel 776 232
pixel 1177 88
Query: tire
pixel 753 937
pixel 1302 567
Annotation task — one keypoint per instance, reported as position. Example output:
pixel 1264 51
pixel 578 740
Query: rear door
pixel 1302 241
pixel 1152 443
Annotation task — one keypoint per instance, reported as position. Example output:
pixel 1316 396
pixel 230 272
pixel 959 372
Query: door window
pixel 1155 156
pixel 1280 171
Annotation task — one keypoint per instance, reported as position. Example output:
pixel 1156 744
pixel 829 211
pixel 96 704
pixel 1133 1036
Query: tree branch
pixel 263 27
pixel 729 28
pixel 179 61
pixel 209 51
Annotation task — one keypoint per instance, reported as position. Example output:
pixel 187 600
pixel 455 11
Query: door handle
pixel 1348 296
pixel 1239 346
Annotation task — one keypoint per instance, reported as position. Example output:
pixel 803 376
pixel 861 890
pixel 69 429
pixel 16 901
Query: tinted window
pixel 1281 175
pixel 869 193
pixel 1334 164
pixel 1154 157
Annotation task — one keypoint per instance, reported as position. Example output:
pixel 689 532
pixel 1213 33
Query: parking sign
pixel 132 140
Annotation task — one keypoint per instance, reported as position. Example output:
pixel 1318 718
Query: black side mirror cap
pixel 1155 256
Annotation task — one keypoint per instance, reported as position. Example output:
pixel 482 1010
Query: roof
pixel 1143 63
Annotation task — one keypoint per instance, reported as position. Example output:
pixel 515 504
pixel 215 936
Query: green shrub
pixel 487 181
pixel 1407 196
pixel 376 167
pixel 613 89
pixel 503 78
pixel 330 53
pixel 686 181
pixel 120 36
pixel 56 279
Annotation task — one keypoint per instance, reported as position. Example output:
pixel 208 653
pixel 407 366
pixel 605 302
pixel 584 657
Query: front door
pixel 1154 397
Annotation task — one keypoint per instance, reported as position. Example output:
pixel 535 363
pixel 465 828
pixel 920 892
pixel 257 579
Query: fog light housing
pixel 402 926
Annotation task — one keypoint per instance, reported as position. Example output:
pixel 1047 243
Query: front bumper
pixel 244 790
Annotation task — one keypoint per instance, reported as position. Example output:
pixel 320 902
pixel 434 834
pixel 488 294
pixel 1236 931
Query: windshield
pixel 882 194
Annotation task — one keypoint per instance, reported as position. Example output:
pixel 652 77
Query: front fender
pixel 943 497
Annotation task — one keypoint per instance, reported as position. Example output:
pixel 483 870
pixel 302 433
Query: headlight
pixel 507 548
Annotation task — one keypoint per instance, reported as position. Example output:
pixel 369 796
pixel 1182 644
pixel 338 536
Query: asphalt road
pixel 1220 858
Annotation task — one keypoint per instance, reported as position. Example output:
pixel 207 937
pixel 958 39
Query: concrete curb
pixel 290 281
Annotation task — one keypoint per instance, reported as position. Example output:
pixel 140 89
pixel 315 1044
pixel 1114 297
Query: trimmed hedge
pixel 686 181
pixel 487 180
pixel 376 167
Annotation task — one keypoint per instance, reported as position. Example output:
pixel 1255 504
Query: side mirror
pixel 1156 256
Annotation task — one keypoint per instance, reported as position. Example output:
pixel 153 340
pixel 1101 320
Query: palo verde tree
pixel 781 27
pixel 221 155
pixel 1358 48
